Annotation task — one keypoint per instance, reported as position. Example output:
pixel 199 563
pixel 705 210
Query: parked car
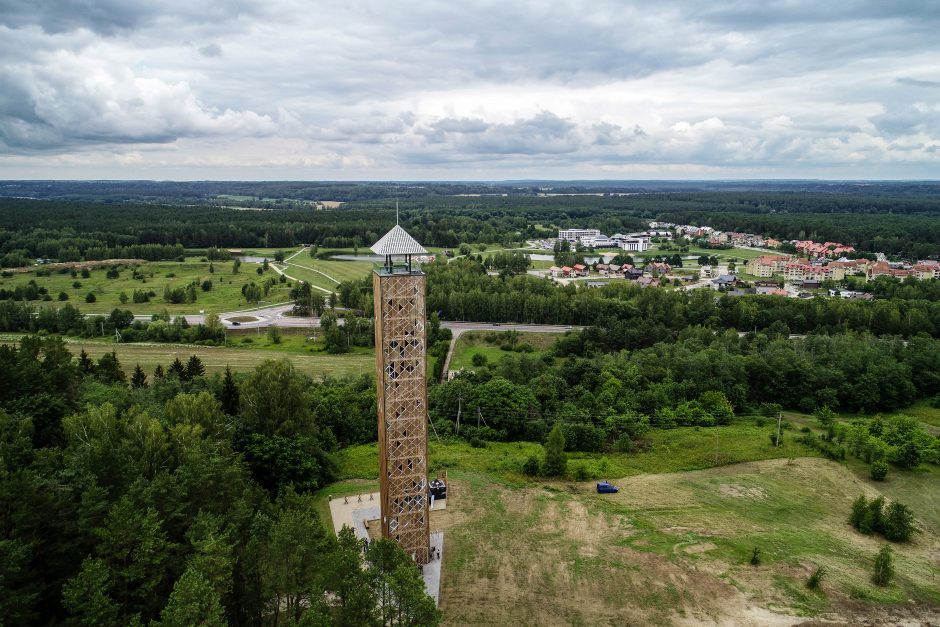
pixel 605 488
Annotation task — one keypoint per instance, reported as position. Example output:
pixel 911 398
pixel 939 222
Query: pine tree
pixel 109 369
pixel 194 368
pixel 178 370
pixel 158 373
pixel 229 395
pixel 193 602
pixel 555 460
pixel 86 595
pixel 138 379
pixel 85 364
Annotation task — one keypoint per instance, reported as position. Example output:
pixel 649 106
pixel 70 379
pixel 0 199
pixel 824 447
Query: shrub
pixel 476 442
pixel 815 579
pixel 478 360
pixel 755 556
pixel 874 517
pixel 878 470
pixel 884 567
pixel 775 439
pixel 859 509
pixel 63 296
pixel 90 297
pixel 555 460
pixel 531 466
pixel 898 522
pixel 579 472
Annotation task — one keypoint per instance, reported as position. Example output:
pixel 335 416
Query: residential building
pixel 578 235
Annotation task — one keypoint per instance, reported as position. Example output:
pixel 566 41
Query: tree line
pixel 182 499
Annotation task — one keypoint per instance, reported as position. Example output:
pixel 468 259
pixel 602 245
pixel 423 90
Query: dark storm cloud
pixel 111 17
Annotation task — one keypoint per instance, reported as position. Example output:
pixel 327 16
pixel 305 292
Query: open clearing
pixel 488 344
pixel 225 294
pixel 673 549
pixel 215 359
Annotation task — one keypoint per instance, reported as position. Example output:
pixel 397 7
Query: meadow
pixel 224 296
pixel 674 545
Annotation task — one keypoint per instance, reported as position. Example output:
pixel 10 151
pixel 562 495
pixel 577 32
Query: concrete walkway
pixel 355 510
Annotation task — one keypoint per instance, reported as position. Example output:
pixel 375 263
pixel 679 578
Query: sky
pixel 378 90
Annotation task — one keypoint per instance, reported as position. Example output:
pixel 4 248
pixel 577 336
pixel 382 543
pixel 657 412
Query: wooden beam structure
pixel 402 399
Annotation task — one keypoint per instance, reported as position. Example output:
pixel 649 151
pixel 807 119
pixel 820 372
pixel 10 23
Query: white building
pixel 585 236
pixel 635 244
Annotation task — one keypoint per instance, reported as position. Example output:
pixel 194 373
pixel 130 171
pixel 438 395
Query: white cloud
pixel 571 89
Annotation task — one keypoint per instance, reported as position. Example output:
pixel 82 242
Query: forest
pixel 65 228
pixel 180 499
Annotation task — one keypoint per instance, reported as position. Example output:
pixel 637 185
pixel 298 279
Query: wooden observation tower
pixel 402 393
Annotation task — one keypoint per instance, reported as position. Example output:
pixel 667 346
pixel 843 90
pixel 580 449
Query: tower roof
pixel 398 242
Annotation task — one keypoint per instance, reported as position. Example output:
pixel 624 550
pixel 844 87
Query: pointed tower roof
pixel 398 242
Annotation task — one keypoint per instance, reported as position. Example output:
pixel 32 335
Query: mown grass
pixel 225 294
pixel 215 359
pixel 339 270
pixel 532 549
pixel 489 345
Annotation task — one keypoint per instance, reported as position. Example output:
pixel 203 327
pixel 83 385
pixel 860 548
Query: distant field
pixel 723 255
pixel 473 343
pixel 225 294
pixel 338 270
pixel 216 359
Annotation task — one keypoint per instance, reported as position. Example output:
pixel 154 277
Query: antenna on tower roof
pixel 396 212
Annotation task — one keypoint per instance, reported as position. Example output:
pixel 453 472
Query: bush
pixel 555 460
pixel 476 442
pixel 63 296
pixel 874 517
pixel 859 509
pixel 755 556
pixel 90 297
pixel 878 470
pixel 815 579
pixel 579 472
pixel 884 567
pixel 775 439
pixel 898 523
pixel 479 360
pixel 531 466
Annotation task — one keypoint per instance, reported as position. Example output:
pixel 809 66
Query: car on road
pixel 236 323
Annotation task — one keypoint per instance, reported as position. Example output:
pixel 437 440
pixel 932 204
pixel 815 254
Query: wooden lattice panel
pixel 402 398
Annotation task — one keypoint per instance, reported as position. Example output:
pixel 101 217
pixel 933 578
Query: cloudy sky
pixel 362 89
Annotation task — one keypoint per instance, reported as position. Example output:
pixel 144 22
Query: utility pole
pixel 459 408
pixel 779 419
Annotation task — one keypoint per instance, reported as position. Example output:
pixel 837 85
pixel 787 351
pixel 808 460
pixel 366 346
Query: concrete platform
pixel 359 509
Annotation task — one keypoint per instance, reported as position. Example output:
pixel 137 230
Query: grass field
pixel 326 274
pixel 671 547
pixel 741 254
pixel 673 450
pixel 225 294
pixel 474 343
pixel 215 359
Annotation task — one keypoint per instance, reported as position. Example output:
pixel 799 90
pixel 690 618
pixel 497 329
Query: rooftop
pixel 398 242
